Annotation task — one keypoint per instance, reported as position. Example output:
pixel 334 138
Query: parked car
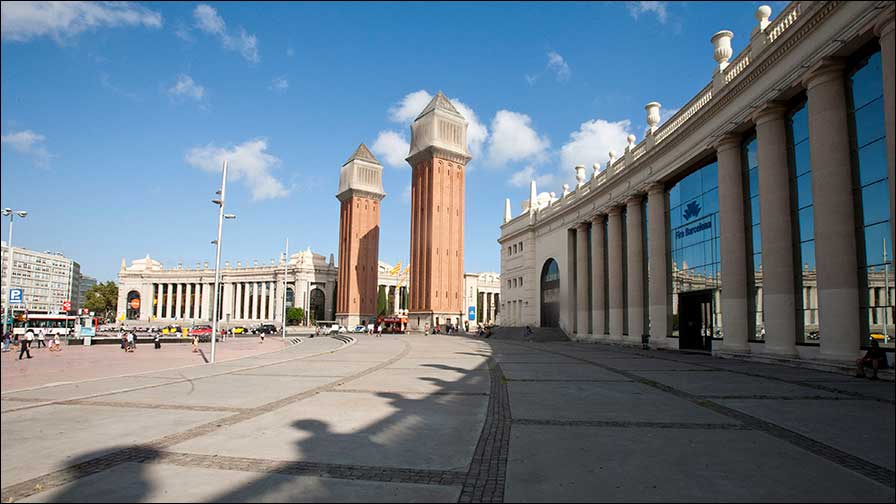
pixel 336 329
pixel 203 331
pixel 266 329
pixel 171 329
pixel 358 329
pixel 239 330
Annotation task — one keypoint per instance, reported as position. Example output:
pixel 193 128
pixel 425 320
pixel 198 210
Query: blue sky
pixel 115 117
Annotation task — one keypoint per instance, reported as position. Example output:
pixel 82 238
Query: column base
pixel 735 348
pixel 784 353
pixel 350 320
pixel 421 321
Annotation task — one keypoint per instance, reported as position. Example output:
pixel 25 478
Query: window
pixel 750 156
pixel 872 196
pixel 804 220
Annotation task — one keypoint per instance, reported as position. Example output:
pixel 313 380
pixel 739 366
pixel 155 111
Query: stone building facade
pixel 47 279
pixel 757 219
pixel 438 155
pixel 360 193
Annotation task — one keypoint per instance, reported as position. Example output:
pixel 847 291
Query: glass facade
pixel 804 224
pixel 750 157
pixel 694 240
pixel 872 197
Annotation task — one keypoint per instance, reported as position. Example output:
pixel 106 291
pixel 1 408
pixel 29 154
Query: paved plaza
pixel 451 419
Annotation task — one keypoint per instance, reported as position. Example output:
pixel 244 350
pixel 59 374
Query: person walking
pixel 379 331
pixel 130 342
pixel 6 341
pixel 56 345
pixel 196 343
pixel 41 338
pixel 157 341
pixel 29 337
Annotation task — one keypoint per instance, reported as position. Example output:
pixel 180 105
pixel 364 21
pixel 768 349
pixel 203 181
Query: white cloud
pixel 593 142
pixel 22 21
pixel 248 161
pixel 513 139
pixel 279 84
pixel 209 21
pixel 30 143
pixel 657 8
pixel 183 32
pixel 185 86
pixel 665 114
pixel 522 177
pixel 410 106
pixel 392 148
pixel 558 65
pixel 406 110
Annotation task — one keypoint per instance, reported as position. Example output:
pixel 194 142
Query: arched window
pixel 316 304
pixel 550 294
pixel 133 311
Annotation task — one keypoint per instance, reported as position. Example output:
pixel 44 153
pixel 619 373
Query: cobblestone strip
pixel 571 380
pixel 148 450
pixel 410 392
pixel 300 468
pixel 786 398
pixel 485 478
pixel 176 380
pixel 624 424
pixel 858 465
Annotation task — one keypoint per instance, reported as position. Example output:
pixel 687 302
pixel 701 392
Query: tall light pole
pixel 221 217
pixel 285 285
pixel 9 252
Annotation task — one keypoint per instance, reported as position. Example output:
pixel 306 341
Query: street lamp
pixel 217 243
pixel 11 214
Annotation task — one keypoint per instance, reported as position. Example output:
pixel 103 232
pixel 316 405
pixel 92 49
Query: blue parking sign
pixel 16 296
pixel 472 313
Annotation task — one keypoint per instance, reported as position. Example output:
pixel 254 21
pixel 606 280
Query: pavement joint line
pixel 141 372
pixel 146 450
pixel 487 473
pixel 304 468
pixel 630 424
pixel 571 380
pixel 786 398
pixel 182 380
pixel 408 392
pixel 846 460
pixel 136 405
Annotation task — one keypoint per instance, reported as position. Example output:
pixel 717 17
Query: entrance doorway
pixel 695 318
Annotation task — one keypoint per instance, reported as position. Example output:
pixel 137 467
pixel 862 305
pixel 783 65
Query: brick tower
pixel 438 157
pixel 360 193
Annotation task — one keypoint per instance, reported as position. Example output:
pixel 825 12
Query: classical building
pixel 757 219
pixel 482 298
pixel 47 279
pixel 360 194
pixel 438 155
pixel 149 293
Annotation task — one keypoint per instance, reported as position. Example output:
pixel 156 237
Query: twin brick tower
pixel 437 157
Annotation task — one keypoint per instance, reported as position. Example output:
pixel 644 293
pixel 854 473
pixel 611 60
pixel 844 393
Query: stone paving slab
pixel 589 464
pixel 641 364
pixel 458 362
pixel 425 380
pixel 378 429
pixel 103 386
pixel 227 390
pixel 305 367
pixel 41 440
pixel 549 371
pixel 879 389
pixel 624 401
pixel 134 482
pixel 860 428
pixel 729 384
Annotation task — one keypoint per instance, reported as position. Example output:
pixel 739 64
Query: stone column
pixel 777 231
pixel 835 243
pixel 206 310
pixel 733 246
pixel 168 296
pixel 272 299
pixel 658 273
pixel 583 304
pixel 247 294
pixel 615 272
pixel 598 277
pixel 197 296
pixel 159 300
pixel 886 32
pixel 238 303
pixel 178 300
pixel 227 302
pixel 634 223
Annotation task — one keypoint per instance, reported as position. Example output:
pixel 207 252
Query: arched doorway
pixel 550 294
pixel 316 304
pixel 290 298
pixel 133 312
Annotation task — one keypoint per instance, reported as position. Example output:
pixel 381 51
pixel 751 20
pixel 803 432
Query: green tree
pixel 381 304
pixel 102 299
pixel 294 315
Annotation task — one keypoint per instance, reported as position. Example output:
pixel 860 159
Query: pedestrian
pixel 41 341
pixel 56 345
pixel 29 337
pixel 529 333
pixel 261 335
pixel 157 341
pixel 130 342
pixel 134 339
pixel 123 338
pixel 196 343
pixel 6 341
pixel 379 331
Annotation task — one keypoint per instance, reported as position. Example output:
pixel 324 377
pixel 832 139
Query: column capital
pixel 727 142
pixel 583 226
pixel 886 24
pixel 614 210
pixel 598 219
pixel 825 71
pixel 771 111
pixel 634 200
pixel 656 187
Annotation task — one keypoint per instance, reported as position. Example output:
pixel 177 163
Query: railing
pixel 738 65
pixel 783 21
pixel 685 113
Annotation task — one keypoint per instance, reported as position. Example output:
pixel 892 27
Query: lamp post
pixel 285 285
pixel 221 217
pixel 11 214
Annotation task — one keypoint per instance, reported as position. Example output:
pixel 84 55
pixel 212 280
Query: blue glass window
pixel 801 181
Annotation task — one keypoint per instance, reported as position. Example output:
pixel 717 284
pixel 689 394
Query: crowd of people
pixel 23 343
